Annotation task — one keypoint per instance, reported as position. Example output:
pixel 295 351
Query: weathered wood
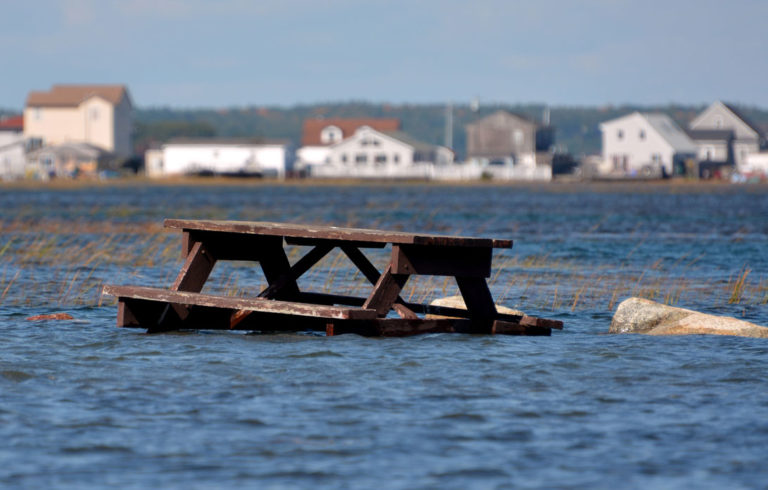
pixel 196 269
pixel 338 299
pixel 506 328
pixel 253 304
pixel 296 271
pixel 372 274
pixel 478 299
pixel 385 292
pixel 441 261
pixel 277 271
pixel 333 233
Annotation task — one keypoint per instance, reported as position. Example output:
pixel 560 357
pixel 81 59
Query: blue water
pixel 86 405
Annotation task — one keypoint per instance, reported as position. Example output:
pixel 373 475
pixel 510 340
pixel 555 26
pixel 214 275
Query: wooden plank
pixel 385 292
pixel 289 230
pixel 253 304
pixel 234 246
pixel 196 269
pixel 507 328
pixel 372 274
pixel 441 261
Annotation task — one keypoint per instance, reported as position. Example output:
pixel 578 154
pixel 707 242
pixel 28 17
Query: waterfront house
pixel 747 137
pixel 503 138
pixel 319 134
pixel 12 148
pixel 646 145
pixel 714 151
pixel 99 115
pixel 220 156
pixel 70 160
pixel 369 153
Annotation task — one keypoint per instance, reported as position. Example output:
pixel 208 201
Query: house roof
pixel 74 95
pixel 310 135
pixel 407 139
pixel 670 131
pixel 744 118
pixel 491 118
pixel 710 134
pixel 73 150
pixel 12 123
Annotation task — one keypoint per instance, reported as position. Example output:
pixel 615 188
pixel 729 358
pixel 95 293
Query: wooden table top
pixel 334 233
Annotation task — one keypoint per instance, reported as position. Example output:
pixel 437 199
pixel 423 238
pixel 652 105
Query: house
pixel 319 134
pixel 503 139
pixel 747 137
pixel 370 153
pixel 714 151
pixel 220 156
pixel 646 145
pixel 12 148
pixel 70 160
pixel 99 115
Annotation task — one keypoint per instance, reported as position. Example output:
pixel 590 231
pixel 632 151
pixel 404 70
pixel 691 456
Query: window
pixel 642 134
pixel 381 158
pixel 718 122
pixel 94 113
pixel 330 135
pixel 38 113
pixel 361 158
pixel 620 134
pixel 518 135
pixel 396 158
pixel 343 158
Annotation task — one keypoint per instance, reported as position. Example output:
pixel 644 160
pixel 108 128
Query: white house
pixel 218 156
pixel 747 137
pixel 12 148
pixel 99 115
pixel 369 153
pixel 646 145
pixel 319 134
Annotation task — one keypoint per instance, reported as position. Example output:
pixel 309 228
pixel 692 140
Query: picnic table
pixel 283 306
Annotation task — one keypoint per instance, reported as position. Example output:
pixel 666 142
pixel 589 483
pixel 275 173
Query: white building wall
pixel 12 160
pixel 312 155
pixel 223 158
pixel 633 138
pixel 755 163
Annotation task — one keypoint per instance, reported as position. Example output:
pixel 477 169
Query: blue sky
pixel 194 53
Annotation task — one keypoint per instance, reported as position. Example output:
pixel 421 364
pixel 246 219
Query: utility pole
pixel 449 125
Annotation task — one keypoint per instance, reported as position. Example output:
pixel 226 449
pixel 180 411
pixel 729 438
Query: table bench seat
pixel 237 308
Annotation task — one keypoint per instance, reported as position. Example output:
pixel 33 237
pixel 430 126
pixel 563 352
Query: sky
pixel 232 53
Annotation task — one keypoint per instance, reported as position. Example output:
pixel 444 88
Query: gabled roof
pixel 12 123
pixel 744 118
pixel 310 135
pixel 664 126
pixel 408 140
pixel 74 95
pixel 671 132
pixel 505 115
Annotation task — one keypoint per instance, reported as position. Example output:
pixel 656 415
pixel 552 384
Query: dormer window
pixel 330 135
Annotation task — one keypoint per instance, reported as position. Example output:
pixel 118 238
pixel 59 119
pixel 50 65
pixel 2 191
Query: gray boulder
pixel 638 315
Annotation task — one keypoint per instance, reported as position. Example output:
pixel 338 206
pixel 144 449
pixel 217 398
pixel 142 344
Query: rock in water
pixel 638 315
pixel 458 302
pixel 53 316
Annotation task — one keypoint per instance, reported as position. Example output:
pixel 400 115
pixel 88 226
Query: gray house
pixel 745 137
pixel 503 138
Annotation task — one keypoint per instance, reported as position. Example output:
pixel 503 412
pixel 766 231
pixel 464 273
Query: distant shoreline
pixel 556 185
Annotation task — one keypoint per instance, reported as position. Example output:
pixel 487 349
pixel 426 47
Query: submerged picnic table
pixel 283 306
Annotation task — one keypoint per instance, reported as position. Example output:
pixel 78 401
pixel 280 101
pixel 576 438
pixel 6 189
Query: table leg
pixel 479 302
pixel 196 269
pixel 277 270
pixel 373 275
pixel 386 291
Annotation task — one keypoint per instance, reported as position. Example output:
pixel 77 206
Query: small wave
pixel 97 448
pixel 321 353
pixel 17 376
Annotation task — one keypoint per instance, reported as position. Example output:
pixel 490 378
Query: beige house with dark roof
pixel 99 115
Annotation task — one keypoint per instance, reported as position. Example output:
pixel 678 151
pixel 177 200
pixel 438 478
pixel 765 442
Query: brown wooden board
pixel 289 230
pixel 251 304
pixel 441 261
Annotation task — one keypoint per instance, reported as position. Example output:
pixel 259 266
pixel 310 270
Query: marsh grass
pixel 61 263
